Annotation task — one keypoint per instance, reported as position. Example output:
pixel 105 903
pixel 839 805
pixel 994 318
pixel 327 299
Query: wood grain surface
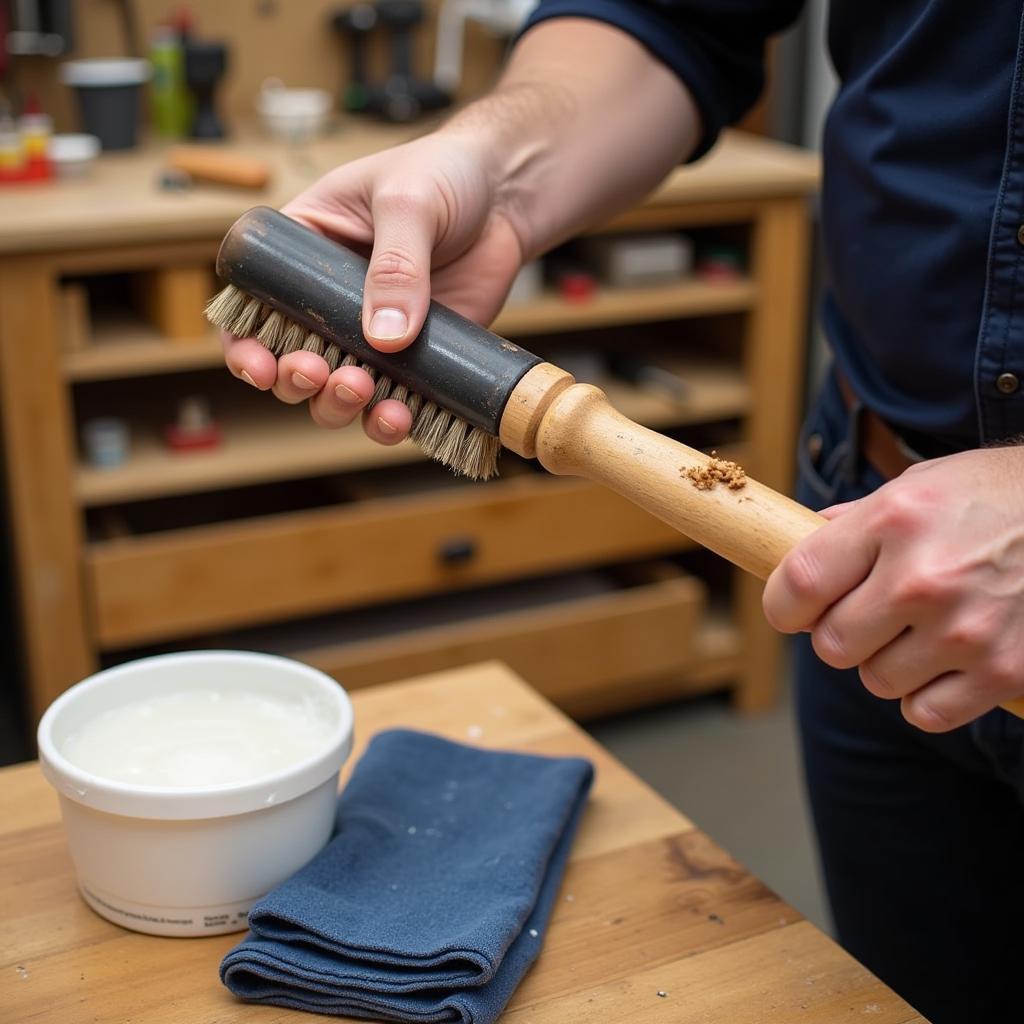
pixel 655 923
pixel 121 202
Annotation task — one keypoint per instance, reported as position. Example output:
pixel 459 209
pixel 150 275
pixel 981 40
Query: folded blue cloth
pixel 430 902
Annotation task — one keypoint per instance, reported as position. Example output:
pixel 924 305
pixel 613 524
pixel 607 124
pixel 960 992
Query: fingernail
pixel 300 380
pixel 248 380
pixel 385 427
pixel 346 395
pixel 388 324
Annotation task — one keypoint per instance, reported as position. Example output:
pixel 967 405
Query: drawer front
pixel 587 655
pixel 146 589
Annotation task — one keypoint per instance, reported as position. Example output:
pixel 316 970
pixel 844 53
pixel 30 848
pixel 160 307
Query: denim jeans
pixel 921 837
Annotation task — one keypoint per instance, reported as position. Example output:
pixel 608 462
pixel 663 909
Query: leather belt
pixel 879 443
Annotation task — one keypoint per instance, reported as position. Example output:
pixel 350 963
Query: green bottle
pixel 170 98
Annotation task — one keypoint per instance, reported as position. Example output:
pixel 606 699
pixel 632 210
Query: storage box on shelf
pixel 285 534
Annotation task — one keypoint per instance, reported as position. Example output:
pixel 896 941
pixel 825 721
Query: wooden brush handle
pixel 573 430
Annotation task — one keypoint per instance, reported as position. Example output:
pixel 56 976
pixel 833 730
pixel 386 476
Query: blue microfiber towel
pixel 430 902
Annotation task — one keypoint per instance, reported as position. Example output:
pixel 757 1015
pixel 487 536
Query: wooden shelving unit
pixel 129 348
pixel 265 440
pixel 393 535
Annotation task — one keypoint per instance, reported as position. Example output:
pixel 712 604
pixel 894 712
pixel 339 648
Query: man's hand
pixel 920 585
pixel 426 214
pixel 584 122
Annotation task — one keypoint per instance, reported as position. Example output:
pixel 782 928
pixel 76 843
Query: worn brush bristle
pixel 292 339
pixel 443 436
pixel 272 333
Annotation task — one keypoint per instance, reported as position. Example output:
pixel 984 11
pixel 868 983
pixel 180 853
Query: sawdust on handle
pixel 715 471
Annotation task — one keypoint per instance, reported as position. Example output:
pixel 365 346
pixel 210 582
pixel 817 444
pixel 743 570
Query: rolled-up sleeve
pixel 716 47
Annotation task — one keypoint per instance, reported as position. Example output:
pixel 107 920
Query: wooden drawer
pixel 180 582
pixel 589 655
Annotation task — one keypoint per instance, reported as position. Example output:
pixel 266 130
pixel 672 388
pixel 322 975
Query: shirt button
pixel 1007 383
pixel 1020 234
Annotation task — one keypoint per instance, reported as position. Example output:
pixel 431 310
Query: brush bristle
pixel 441 435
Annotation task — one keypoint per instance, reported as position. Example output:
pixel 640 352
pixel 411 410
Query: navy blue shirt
pixel 923 196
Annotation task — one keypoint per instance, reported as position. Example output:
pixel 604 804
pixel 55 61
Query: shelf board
pixel 131 348
pixel 268 441
pixel 616 307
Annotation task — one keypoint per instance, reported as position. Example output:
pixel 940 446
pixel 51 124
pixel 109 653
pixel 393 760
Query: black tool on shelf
pixel 356 22
pixel 401 96
pixel 205 64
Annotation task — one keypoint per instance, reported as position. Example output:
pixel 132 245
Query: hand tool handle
pixel 573 430
pixel 207 163
pixel 579 433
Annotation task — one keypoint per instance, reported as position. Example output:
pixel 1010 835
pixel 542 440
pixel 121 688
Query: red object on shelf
pixel 576 286
pixel 714 271
pixel 192 440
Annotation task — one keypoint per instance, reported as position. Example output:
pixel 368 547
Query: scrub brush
pixel 471 392
pixel 293 289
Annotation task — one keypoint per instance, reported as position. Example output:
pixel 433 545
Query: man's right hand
pixel 426 214
pixel 584 122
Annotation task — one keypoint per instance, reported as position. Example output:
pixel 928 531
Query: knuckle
pixel 393 268
pixel 898 509
pixel 801 573
pixel 970 634
pixel 830 646
pixel 876 683
pixel 402 198
pixel 921 585
pixel 927 716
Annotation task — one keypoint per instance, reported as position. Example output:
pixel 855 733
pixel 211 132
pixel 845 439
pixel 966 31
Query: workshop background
pixel 140 478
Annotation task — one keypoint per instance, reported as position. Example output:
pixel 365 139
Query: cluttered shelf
pixel 616 307
pixel 265 440
pixel 131 348
pixel 124 347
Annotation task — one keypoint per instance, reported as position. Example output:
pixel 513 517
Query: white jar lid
pixel 105 71
pixel 73 148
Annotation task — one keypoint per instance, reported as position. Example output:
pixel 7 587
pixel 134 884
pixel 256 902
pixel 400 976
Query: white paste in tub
pixel 198 738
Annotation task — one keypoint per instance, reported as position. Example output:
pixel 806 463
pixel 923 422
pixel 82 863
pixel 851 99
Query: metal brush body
pixel 295 289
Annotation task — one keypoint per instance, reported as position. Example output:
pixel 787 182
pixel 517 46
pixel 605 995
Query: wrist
pixel 513 136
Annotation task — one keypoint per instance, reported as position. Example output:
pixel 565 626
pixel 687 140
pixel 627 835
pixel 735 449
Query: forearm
pixel 584 122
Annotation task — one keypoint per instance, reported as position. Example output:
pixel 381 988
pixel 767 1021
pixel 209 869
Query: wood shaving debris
pixel 715 471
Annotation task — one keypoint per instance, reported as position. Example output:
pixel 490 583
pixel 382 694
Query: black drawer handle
pixel 457 550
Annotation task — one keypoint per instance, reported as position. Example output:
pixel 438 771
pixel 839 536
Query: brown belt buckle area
pixel 878 443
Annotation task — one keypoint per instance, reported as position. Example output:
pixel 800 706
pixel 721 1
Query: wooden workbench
pixel 656 906
pixel 121 204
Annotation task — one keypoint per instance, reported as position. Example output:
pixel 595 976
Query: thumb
pixel 397 290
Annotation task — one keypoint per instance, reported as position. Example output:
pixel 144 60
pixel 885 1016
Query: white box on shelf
pixel 635 260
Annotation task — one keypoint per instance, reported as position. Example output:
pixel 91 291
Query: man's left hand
pixel 921 586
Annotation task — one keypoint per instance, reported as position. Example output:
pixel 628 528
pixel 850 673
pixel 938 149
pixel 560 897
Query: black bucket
pixel 109 97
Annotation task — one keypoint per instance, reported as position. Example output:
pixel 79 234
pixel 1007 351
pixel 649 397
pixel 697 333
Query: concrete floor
pixel 738 778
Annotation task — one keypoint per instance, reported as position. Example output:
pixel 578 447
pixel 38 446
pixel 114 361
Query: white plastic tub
pixel 295 115
pixel 175 861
